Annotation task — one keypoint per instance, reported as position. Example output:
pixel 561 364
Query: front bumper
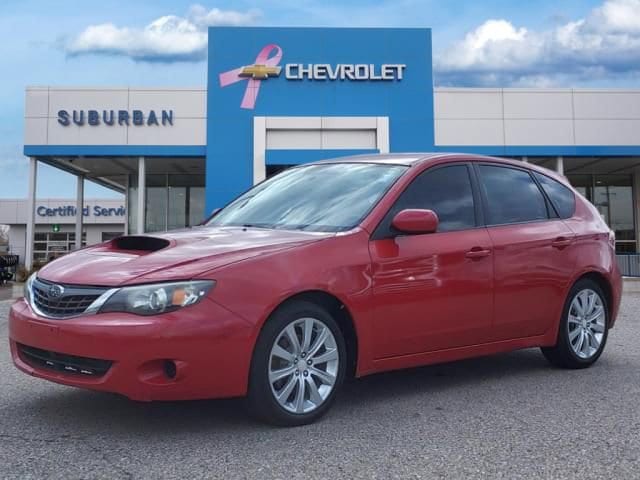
pixel 209 346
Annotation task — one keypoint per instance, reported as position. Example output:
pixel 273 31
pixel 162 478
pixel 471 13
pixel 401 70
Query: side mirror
pixel 415 221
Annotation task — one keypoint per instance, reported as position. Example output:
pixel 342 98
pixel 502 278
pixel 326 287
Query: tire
pixel 295 368
pixel 577 325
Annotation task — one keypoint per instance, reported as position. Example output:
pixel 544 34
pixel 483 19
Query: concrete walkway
pixel 631 284
pixel 11 291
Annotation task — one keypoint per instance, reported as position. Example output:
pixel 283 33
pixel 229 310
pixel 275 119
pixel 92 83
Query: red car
pixel 339 268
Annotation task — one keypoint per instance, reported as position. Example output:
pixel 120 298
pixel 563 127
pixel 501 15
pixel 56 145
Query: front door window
pixel 428 294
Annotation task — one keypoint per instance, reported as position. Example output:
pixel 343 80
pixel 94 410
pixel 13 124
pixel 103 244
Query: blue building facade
pixel 316 72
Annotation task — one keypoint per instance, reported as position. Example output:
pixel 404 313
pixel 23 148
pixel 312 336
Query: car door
pixel 433 291
pixel 532 252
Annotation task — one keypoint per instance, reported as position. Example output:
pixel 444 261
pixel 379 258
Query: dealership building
pixel 55 225
pixel 277 97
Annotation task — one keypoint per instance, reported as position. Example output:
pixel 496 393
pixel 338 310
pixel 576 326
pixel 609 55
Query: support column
pixel 142 182
pixel 382 134
pixel 635 189
pixel 127 204
pixel 31 213
pixel 259 150
pixel 79 210
pixel 560 165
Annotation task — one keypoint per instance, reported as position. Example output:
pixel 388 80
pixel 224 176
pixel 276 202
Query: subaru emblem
pixel 55 291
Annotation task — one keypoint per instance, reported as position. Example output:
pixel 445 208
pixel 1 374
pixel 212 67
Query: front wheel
pixel 298 365
pixel 582 332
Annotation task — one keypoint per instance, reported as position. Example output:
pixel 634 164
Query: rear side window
pixel 445 190
pixel 562 197
pixel 512 196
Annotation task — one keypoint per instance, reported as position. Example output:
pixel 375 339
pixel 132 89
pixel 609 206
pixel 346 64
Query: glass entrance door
pixel 612 195
pixel 171 201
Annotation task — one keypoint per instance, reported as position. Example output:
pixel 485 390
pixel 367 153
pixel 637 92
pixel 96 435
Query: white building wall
pixel 94 233
pixel 463 116
pixel 536 117
pixel 14 211
pixel 43 103
pixel 17 237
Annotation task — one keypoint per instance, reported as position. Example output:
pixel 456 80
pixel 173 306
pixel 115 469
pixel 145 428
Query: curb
pixel 631 284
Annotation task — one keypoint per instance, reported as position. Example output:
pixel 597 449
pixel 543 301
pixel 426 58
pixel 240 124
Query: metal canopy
pixel 112 172
pixel 591 165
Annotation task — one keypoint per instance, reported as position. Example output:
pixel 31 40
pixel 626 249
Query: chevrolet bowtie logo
pixel 260 72
pixel 264 66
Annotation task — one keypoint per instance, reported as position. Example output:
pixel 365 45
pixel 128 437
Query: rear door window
pixel 512 195
pixel 562 197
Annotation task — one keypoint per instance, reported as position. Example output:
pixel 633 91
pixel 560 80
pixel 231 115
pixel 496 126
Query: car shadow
pixel 68 406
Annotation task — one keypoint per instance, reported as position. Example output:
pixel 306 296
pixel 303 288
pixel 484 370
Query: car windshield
pixel 328 197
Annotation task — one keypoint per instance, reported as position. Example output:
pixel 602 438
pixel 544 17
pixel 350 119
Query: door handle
pixel 562 242
pixel 478 252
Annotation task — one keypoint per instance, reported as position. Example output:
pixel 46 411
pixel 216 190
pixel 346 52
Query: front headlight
pixel 157 298
pixel 27 287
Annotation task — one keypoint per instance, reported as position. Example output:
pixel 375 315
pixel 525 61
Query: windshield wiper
pixel 258 225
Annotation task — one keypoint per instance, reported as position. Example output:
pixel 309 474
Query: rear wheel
pixel 582 333
pixel 298 365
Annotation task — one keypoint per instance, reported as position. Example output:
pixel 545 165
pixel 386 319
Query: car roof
pixel 407 159
pixel 414 159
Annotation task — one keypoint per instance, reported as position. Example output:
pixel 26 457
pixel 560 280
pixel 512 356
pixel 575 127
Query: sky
pixel 481 43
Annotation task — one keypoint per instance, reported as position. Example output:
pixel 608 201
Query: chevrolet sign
pixel 344 71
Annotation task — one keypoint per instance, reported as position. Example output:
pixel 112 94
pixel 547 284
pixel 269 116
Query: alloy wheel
pixel 586 323
pixel 303 365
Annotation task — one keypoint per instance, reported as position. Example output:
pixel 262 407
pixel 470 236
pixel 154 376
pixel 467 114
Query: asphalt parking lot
pixel 507 416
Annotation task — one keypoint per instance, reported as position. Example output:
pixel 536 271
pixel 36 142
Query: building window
pixel 196 205
pixel 583 184
pixel 156 203
pixel 612 195
pixel 106 236
pixel 49 245
pixel 172 201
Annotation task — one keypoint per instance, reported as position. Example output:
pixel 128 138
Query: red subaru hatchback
pixel 332 269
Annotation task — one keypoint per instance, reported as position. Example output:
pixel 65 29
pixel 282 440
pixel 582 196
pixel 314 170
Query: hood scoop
pixel 141 243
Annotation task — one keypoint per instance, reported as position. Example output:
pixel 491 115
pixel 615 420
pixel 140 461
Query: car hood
pixel 177 255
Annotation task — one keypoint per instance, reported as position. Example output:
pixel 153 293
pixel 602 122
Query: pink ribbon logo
pixel 263 68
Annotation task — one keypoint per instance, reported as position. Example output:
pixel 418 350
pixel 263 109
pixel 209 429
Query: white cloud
pixel 167 39
pixel 622 16
pixel 605 44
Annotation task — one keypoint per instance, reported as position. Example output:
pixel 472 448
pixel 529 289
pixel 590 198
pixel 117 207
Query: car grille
pixel 62 301
pixel 60 362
